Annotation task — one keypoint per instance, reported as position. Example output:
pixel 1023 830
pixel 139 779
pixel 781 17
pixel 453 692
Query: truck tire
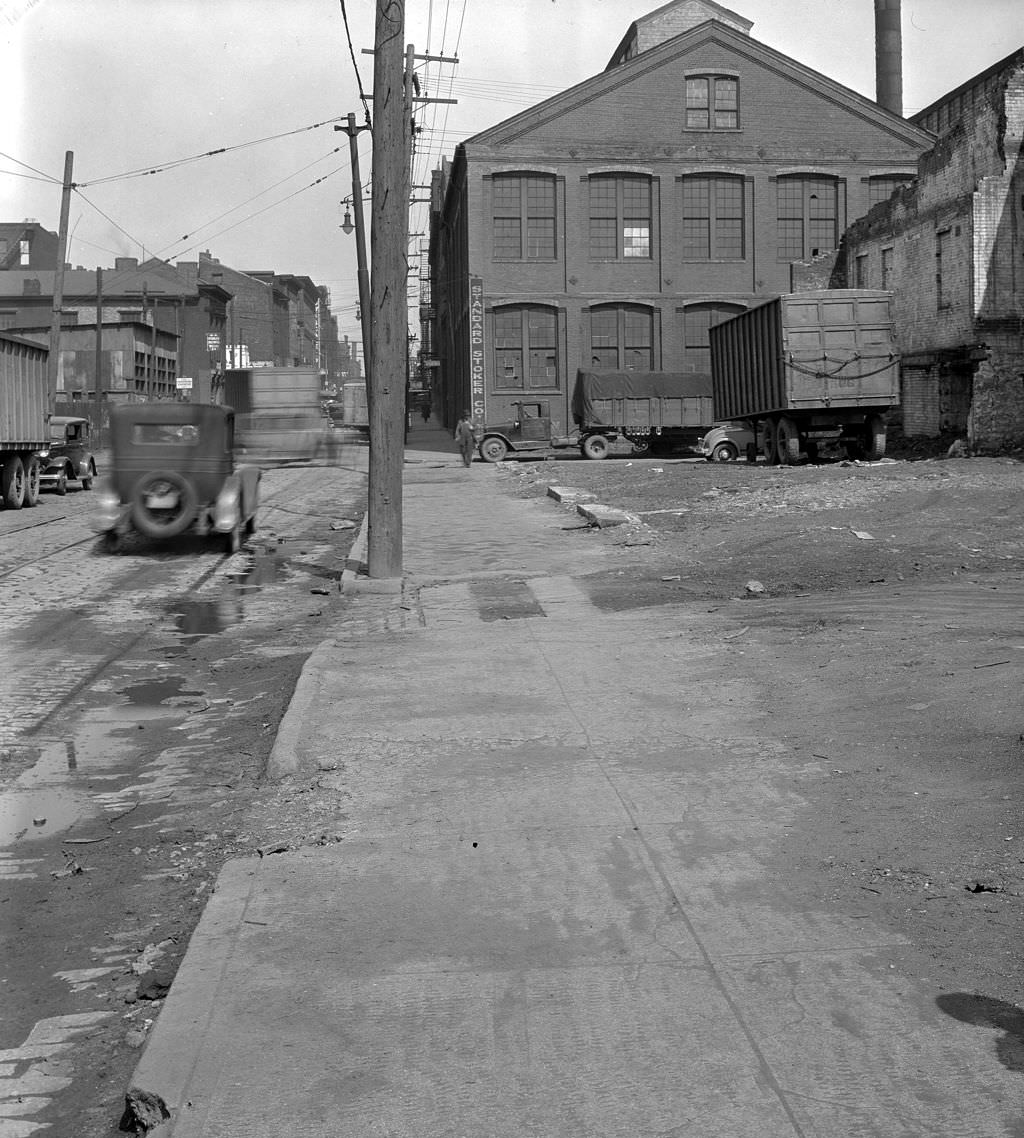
pixel 32 473
pixel 164 522
pixel 770 443
pixel 493 449
pixel 787 441
pixel 874 438
pixel 594 447
pixel 12 482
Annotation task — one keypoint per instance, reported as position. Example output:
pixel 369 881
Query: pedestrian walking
pixel 465 437
pixel 425 410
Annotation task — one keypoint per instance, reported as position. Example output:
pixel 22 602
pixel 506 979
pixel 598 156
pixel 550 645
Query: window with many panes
pixel 524 217
pixel 620 217
pixel 887 267
pixel 860 271
pixel 697 319
pixel 808 216
pixel 881 186
pixel 941 262
pixel 712 102
pixel 621 338
pixel 713 218
pixel 525 347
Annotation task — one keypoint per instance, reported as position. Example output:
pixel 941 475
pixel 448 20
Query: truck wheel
pixel 641 446
pixel 874 438
pixel 787 441
pixel 725 452
pixel 493 449
pixel 32 472
pixel 163 521
pixel 594 447
pixel 770 443
pixel 12 482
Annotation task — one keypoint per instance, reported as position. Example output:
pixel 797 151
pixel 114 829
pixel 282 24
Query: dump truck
pixel 278 415
pixel 808 369
pixel 24 418
pixel 630 412
pixel 354 411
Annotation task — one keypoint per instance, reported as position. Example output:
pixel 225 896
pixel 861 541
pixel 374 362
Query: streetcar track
pixel 34 525
pixel 23 564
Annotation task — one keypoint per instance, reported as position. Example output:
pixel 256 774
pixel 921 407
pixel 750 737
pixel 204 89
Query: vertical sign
pixel 476 348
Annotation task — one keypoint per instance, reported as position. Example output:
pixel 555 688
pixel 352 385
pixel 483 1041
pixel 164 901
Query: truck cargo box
pixel 24 394
pixel 277 389
pixel 642 400
pixel 278 416
pixel 824 350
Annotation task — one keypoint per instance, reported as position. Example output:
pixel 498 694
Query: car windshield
pixel 166 434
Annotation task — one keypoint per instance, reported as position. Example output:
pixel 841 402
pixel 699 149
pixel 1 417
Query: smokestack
pixel 888 56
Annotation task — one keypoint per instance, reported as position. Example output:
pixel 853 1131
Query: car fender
pixel 227 510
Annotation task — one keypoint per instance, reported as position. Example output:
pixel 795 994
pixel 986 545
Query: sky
pixel 140 91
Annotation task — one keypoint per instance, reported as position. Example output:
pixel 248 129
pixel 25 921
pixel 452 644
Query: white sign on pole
pixel 184 382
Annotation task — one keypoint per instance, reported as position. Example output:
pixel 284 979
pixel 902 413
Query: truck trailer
pixel 24 418
pixel 808 369
pixel 278 415
pixel 631 412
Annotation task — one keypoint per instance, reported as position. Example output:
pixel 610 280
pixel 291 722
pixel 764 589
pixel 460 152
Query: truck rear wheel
pixel 874 438
pixel 770 444
pixel 12 482
pixel 787 441
pixel 32 474
pixel 594 447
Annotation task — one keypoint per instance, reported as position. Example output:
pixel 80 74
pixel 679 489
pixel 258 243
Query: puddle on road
pixel 43 800
pixel 152 693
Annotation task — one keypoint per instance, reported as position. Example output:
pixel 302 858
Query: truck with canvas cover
pixel 278 416
pixel 354 412
pixel 809 369
pixel 630 412
pixel 24 419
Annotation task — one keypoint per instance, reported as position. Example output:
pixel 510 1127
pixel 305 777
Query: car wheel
pixel 163 521
pixel 111 541
pixel 725 452
pixel 594 447
pixel 61 485
pixel 87 480
pixel 493 450
pixel 32 472
pixel 233 539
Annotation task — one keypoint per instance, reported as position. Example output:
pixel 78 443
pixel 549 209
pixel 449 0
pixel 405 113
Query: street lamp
pixel 346 225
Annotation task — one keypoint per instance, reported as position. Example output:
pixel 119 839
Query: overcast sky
pixel 137 85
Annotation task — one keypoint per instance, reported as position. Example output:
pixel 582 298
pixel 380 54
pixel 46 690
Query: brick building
pixel 27 245
pixel 951 247
pixel 610 226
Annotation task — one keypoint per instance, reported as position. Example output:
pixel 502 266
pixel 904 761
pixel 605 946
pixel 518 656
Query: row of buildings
pixel 703 172
pixel 153 330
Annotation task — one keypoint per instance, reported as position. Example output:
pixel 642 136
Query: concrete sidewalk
pixel 553 911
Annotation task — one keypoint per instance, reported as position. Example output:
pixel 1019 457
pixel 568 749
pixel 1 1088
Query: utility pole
pixel 58 279
pixel 98 392
pixel 362 274
pixel 388 291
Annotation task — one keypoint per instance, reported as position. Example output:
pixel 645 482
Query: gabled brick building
pixel 951 247
pixel 610 226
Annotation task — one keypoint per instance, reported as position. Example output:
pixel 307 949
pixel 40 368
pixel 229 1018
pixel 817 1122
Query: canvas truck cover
pixel 642 399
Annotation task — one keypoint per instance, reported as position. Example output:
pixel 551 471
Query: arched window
pixel 621 338
pixel 524 217
pixel 526 348
pixel 697 319
pixel 808 216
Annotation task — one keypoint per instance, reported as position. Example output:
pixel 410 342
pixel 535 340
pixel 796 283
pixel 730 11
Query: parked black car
pixel 69 457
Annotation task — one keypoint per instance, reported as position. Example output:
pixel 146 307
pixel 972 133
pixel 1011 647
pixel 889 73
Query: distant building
pixel 608 227
pixel 951 247
pixel 27 245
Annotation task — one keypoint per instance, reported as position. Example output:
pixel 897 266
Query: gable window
pixel 697 319
pixel 526 347
pixel 621 338
pixel 620 217
pixel 524 217
pixel 712 102
pixel 808 209
pixel 713 218
pixel 25 253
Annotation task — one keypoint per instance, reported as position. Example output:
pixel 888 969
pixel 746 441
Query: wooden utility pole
pixel 98 391
pixel 388 292
pixel 58 279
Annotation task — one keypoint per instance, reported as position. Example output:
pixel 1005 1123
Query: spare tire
pixel 163 504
